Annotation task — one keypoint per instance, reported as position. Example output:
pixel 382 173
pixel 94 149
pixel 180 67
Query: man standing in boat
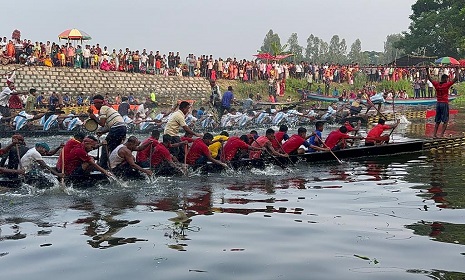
pixel 112 122
pixel 442 96
pixel 175 122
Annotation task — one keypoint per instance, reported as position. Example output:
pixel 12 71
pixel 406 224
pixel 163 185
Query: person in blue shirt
pixel 200 112
pixel 315 142
pixel 80 100
pixel 335 92
pixel 228 98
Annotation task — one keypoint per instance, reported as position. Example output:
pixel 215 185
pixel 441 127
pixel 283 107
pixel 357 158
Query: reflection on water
pixel 319 221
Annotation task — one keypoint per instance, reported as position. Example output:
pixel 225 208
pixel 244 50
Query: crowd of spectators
pixel 52 54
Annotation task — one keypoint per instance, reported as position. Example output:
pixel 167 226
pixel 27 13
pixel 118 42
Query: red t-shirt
pixel 376 131
pixel 279 136
pixel 15 102
pixel 75 158
pixel 442 91
pixel 198 149
pixel 349 127
pixel 188 139
pixel 259 143
pixel 231 147
pixel 144 155
pixel 71 144
pixel 161 153
pixel 293 143
pixel 334 137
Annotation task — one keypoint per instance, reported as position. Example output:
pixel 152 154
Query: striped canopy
pixel 74 34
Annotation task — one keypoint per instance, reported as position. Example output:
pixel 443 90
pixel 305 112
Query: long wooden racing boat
pixel 384 149
pixel 414 146
pixel 405 102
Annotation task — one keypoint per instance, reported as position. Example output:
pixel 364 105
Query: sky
pixel 221 28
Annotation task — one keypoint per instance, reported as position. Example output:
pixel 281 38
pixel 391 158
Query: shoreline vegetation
pixel 243 89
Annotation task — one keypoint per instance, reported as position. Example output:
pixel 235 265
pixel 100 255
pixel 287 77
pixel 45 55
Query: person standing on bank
pixel 442 96
pixel 228 98
pixel 112 122
pixel 175 122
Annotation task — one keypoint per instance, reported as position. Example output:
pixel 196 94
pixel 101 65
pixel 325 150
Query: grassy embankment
pixel 242 90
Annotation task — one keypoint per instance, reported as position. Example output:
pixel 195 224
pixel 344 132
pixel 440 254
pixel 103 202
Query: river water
pixel 398 217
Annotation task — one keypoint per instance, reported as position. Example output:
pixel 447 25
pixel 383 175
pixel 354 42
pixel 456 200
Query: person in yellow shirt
pixel 48 61
pixel 217 143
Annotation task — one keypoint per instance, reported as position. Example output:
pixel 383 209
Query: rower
pixel 143 156
pixel 32 160
pixel 78 163
pixel 216 146
pixel 122 161
pixel 265 142
pixel 280 136
pixel 199 152
pixel 292 146
pixel 374 136
pixel 162 160
pixel 11 153
pixel 336 139
pixel 20 121
pixel 175 122
pixel 233 148
pixel 112 122
pixel 69 145
pixel 315 140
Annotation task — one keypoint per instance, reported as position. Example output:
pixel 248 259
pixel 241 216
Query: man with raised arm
pixel 442 96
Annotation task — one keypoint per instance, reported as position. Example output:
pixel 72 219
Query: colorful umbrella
pixel 447 60
pixel 264 56
pixel 74 34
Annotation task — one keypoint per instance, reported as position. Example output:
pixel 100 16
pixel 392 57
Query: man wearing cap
pixel 112 122
pixel 33 160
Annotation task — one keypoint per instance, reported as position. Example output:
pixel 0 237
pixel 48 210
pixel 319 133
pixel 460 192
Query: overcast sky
pixel 222 28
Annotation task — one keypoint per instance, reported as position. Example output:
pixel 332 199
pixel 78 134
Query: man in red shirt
pixel 374 135
pixel 442 96
pixel 292 146
pixel 265 141
pixel 336 140
pixel 233 148
pixel 78 162
pixel 142 157
pixel 162 160
pixel 199 152
pixel 279 137
pixel 69 145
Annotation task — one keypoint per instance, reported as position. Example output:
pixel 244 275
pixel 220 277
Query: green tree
pixel 271 41
pixel 391 52
pixel 437 28
pixel 337 50
pixel 355 53
pixel 323 52
pixel 295 48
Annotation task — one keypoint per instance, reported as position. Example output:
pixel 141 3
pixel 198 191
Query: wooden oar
pixel 279 163
pixel 19 161
pixel 63 166
pixel 374 105
pixel 185 158
pixel 281 147
pixel 338 160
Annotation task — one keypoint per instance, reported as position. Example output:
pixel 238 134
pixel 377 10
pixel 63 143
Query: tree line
pixel 437 28
pixel 319 51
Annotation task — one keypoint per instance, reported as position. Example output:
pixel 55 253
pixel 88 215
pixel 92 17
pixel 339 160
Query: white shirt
pixel 29 159
pixel 142 111
pixel 5 96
